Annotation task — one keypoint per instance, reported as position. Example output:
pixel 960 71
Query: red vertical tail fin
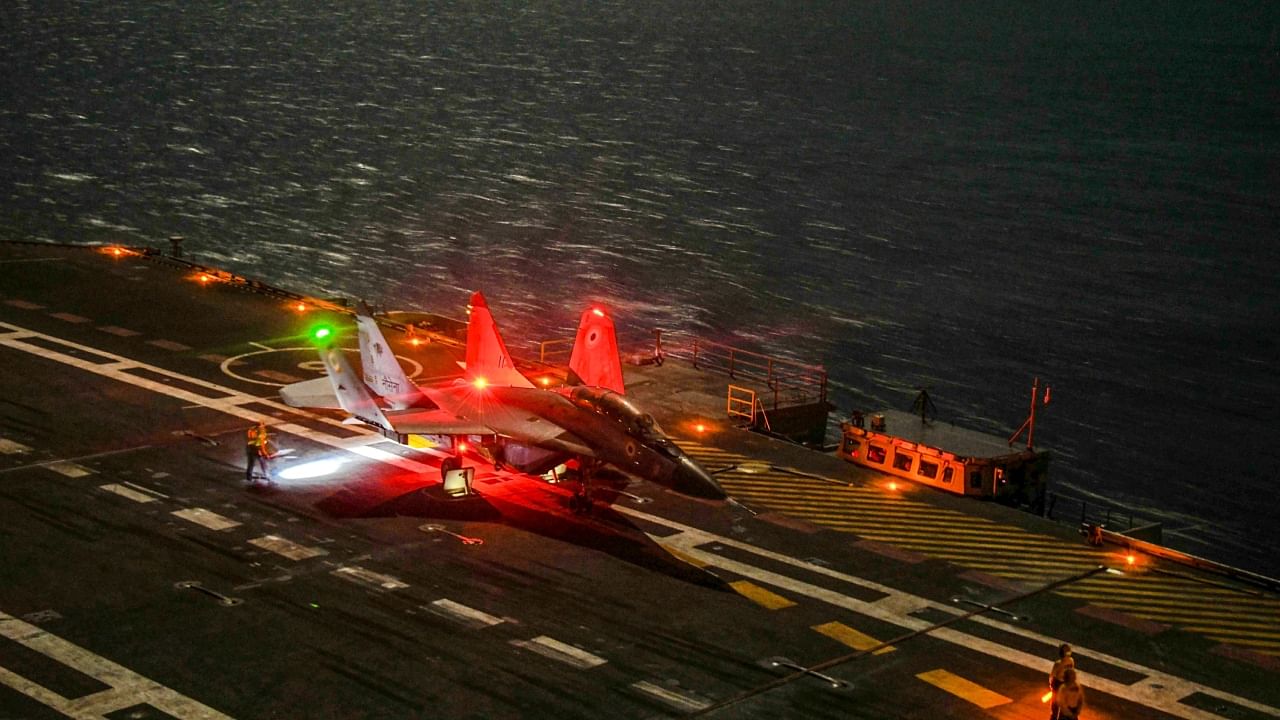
pixel 595 352
pixel 487 356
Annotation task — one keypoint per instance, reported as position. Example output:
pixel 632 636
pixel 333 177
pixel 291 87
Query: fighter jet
pixel 532 429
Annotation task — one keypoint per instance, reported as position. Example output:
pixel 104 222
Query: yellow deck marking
pixel 964 689
pixel 685 557
pixel 846 635
pixel 760 596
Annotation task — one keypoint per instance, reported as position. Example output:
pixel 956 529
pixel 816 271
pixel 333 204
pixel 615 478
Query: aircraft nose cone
pixel 691 479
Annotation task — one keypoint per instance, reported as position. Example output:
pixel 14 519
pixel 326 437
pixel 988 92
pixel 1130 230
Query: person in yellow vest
pixel 1070 697
pixel 257 451
pixel 1057 675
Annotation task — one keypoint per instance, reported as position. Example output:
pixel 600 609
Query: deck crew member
pixel 257 451
pixel 1066 661
pixel 1070 697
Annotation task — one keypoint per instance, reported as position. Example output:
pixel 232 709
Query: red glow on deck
pixel 1046 697
pixel 462 447
pixel 893 485
pixel 1130 558
pixel 700 428
pixel 480 383
pixel 545 381
pixel 300 307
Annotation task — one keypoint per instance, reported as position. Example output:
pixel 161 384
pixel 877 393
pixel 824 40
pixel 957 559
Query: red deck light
pixel 480 383
pixel 893 485
pixel 597 312
pixel 300 307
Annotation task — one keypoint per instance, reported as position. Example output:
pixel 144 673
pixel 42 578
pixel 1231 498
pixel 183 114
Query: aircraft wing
pixel 317 393
pixel 418 421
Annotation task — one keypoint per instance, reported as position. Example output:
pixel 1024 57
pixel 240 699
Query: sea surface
pixel 963 196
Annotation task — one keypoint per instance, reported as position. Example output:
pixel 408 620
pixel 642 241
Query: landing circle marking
pixel 315 366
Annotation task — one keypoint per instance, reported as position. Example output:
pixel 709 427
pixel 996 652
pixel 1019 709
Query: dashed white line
pixel 287 548
pixel 671 697
pixel 69 469
pixel 169 345
pixel 125 492
pixel 211 520
pixel 463 614
pixel 118 331
pixel 357 574
pixel 9 447
pixel 69 317
pixel 554 649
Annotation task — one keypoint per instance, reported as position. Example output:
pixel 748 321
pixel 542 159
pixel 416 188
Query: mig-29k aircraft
pixel 520 425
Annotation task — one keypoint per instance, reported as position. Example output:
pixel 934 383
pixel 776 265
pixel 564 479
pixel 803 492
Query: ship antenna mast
pixel 1029 425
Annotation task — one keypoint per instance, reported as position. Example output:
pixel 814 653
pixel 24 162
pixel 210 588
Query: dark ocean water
pixel 958 195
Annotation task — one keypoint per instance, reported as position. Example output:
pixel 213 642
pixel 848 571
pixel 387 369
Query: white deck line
pixel 549 647
pixel 287 548
pixel 9 447
pixel 463 614
pixel 69 469
pixel 130 493
pixel 671 697
pixel 126 688
pixel 357 574
pixel 211 520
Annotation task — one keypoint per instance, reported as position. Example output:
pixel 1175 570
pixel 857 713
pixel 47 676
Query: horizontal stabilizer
pixel 317 393
pixel 415 421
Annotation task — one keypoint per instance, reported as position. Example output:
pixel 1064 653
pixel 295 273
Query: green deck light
pixel 322 332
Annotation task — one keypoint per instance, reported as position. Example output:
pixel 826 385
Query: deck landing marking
pixel 118 331
pixel 764 598
pixel 69 469
pixel 687 539
pixel 24 304
pixel 554 649
pixel 1167 698
pixel 964 689
pixel 671 697
pixel 846 635
pixel 127 688
pixel 130 493
pixel 169 345
pixel 287 548
pixel 463 614
pixel 9 447
pixel 69 317
pixel 211 520
pixel 357 574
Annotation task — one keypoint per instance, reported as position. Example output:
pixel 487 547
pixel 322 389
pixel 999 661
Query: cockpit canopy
pixel 618 408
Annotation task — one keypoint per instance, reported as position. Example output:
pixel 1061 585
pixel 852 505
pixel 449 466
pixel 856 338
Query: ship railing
pixel 1065 508
pixel 785 382
pixel 788 382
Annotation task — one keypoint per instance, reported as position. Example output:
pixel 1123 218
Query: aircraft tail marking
pixel 487 355
pixel 595 360
pixel 382 372
pixel 349 388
